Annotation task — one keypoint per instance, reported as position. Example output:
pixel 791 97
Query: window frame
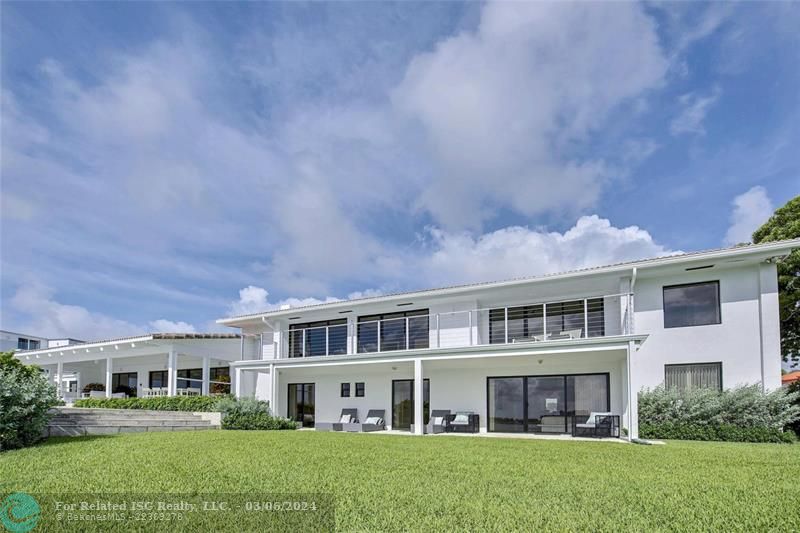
pixel 362 388
pixel 344 387
pixel 692 284
pixel 673 365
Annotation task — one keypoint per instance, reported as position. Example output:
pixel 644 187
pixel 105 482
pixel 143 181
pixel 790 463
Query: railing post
pixel 469 313
pixel 408 346
pixel 585 318
pixel 438 333
pixel 378 324
pixel 327 342
pixel 544 321
pixel 303 349
pixel 505 323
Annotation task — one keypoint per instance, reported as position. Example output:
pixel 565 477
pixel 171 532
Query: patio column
pixel 418 397
pixel 206 375
pixel 237 386
pixel 172 373
pixel 273 393
pixel 109 373
pixel 633 396
pixel 60 379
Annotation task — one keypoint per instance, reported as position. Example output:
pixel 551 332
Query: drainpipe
pixel 634 273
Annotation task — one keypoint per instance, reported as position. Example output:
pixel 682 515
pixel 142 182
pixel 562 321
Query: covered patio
pixel 159 364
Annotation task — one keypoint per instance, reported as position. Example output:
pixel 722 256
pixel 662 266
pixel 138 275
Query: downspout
pixel 634 273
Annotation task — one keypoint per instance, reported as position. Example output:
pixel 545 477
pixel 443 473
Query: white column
pixel 633 396
pixel 418 397
pixel 237 384
pixel 206 375
pixel 172 373
pixel 60 379
pixel 273 393
pixel 109 371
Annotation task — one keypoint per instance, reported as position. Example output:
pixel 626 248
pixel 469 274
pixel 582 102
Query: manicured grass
pixel 386 482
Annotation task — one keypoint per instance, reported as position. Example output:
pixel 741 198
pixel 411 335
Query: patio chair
pixel 598 425
pixel 463 422
pixel 193 391
pixel 439 420
pixel 572 333
pixel 118 395
pixel 373 422
pixel 97 394
pixel 348 416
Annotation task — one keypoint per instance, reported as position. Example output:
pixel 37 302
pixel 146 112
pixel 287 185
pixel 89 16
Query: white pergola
pixel 153 350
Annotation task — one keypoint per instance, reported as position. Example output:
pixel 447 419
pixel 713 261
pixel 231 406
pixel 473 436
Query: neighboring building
pixel 19 341
pixel 791 377
pixel 526 355
pixel 10 340
pixel 158 364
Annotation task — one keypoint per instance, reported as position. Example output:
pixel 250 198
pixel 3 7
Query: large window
pixel 565 320
pixel 394 331
pixel 693 376
pixel 27 344
pixel 219 379
pixel 328 337
pixel 544 404
pixel 124 382
pixel 694 304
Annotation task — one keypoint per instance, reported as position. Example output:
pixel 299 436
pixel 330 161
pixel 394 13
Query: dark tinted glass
pixel 691 305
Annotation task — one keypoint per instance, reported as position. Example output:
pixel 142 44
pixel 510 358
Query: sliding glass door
pixel 544 404
pixel 403 403
pixel 301 403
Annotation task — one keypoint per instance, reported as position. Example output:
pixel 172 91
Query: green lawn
pixel 387 482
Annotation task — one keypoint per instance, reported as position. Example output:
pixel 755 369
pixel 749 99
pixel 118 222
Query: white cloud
pixel 750 210
pixel 694 109
pixel 254 299
pixel 39 313
pixel 168 326
pixel 502 107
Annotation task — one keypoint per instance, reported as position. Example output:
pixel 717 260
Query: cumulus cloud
pixel 254 299
pixel 501 106
pixel 39 313
pixel 694 108
pixel 750 210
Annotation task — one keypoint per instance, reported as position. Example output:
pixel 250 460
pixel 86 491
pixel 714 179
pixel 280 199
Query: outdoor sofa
pixel 597 425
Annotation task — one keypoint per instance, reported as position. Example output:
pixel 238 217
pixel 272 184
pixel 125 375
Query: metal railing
pixel 569 319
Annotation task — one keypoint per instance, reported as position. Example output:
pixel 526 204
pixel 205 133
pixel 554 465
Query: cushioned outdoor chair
pixel 348 416
pixel 373 422
pixel 438 421
pixel 598 425
pixel 463 422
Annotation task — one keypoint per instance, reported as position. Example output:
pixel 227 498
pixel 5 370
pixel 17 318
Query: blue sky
pixel 164 165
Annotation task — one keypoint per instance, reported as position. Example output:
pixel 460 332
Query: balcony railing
pixel 579 318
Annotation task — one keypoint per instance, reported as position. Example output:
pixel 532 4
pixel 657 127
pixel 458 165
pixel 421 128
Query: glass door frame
pixel 411 381
pixel 300 412
pixel 524 377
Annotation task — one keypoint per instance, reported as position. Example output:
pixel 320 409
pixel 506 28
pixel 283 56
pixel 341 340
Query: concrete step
pixel 126 422
pixel 77 431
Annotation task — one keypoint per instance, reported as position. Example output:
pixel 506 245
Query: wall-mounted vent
pixel 294 317
pixel 344 312
pixel 699 268
pixel 405 304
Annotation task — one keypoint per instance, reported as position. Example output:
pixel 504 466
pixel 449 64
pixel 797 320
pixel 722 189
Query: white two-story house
pixel 525 355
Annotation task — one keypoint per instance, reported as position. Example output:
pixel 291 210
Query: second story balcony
pixel 421 329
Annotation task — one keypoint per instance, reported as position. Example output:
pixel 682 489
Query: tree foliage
pixel 25 401
pixel 785 224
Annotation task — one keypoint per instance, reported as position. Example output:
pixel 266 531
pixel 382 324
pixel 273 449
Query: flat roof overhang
pixel 620 342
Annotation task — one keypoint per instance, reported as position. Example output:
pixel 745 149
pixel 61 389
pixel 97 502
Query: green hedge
pixel 161 403
pixel 723 432
pixel 256 420
pixel 25 400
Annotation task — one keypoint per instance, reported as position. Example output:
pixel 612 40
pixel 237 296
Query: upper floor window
pixel 328 337
pixel 394 331
pixel 567 320
pixel 693 376
pixel 692 304
pixel 27 344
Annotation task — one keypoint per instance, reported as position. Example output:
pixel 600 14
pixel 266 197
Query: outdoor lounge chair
pixel 348 416
pixel 373 422
pixel 597 425
pixel 463 422
pixel 439 420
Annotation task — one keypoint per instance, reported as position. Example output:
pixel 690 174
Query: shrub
pixel 94 386
pixel 724 432
pixel 160 403
pixel 25 400
pixel 794 388
pixel 741 406
pixel 256 420
pixel 231 405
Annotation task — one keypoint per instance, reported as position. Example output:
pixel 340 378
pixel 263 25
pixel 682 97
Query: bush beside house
pixel 25 399
pixel 249 413
pixel 743 414
pixel 158 403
